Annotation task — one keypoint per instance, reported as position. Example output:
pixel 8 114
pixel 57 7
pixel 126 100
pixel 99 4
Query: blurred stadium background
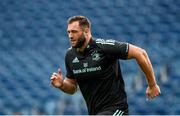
pixel 33 42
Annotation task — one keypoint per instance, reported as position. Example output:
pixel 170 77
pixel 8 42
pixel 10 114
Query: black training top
pixel 98 74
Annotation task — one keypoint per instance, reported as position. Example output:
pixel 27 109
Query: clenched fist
pixel 152 92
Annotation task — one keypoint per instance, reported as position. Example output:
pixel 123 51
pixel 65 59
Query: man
pixel 93 65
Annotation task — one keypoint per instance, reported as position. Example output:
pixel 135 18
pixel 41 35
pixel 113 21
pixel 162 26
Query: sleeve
pixel 69 73
pixel 114 49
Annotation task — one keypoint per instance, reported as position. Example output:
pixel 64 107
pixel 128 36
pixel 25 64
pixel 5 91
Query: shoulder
pixel 105 41
pixel 69 52
pixel 105 44
pixel 110 43
pixel 114 48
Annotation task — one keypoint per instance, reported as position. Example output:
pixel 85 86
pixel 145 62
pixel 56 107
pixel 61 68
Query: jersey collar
pixel 89 46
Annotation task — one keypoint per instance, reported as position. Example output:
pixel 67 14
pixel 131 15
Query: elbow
pixel 136 52
pixel 139 54
pixel 142 55
pixel 73 91
pixel 142 52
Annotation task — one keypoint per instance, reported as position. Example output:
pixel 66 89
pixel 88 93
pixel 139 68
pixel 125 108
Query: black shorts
pixel 117 112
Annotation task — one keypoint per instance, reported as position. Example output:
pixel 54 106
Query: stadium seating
pixel 33 43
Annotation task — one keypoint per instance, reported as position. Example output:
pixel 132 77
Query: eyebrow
pixel 72 31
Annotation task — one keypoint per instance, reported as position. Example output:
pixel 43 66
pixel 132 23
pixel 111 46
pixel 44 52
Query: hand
pixel 57 79
pixel 152 92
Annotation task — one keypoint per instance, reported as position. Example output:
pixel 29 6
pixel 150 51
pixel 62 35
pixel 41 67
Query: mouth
pixel 73 41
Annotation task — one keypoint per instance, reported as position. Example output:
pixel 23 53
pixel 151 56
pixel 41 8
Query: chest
pixel 91 65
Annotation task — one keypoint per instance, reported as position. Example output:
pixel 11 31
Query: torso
pixel 99 78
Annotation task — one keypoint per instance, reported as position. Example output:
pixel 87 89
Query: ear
pixel 86 30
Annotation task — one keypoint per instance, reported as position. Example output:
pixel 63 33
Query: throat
pixel 84 46
pixel 82 49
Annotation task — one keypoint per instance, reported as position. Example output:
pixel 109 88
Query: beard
pixel 80 41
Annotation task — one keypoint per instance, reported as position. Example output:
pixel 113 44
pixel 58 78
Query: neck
pixel 85 44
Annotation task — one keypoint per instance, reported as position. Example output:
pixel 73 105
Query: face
pixel 76 35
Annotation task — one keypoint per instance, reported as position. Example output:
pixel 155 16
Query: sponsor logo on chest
pixel 86 66
pixel 95 56
pixel 75 60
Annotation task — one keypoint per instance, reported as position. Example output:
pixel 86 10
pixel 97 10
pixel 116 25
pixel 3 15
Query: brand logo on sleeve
pixel 107 42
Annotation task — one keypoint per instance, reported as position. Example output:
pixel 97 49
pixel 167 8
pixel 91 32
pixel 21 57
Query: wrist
pixel 61 84
pixel 152 85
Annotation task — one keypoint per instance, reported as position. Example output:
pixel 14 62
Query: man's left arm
pixel 144 62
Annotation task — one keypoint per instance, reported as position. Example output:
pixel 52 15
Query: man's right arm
pixel 67 85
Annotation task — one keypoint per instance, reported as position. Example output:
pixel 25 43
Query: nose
pixel 70 35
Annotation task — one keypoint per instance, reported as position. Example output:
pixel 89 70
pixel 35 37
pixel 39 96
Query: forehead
pixel 73 26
